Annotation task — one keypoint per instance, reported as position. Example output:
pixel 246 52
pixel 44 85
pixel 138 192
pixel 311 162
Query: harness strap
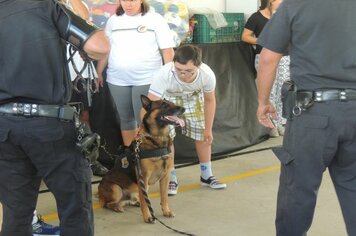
pixel 154 153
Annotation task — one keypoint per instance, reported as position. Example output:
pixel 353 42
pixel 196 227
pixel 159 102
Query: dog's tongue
pixel 176 120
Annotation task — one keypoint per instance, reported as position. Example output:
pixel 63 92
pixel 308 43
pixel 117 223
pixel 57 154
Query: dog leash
pixel 144 192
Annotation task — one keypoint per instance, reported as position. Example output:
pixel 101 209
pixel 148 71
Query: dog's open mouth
pixel 174 120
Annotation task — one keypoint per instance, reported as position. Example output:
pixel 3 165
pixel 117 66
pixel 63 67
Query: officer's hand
pixel 266 113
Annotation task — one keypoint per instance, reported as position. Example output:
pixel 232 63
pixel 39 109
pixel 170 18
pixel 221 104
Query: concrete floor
pixel 245 208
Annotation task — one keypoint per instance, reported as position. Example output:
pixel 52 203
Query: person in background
pixel 190 83
pixel 139 39
pixel 37 130
pixel 250 34
pixel 321 132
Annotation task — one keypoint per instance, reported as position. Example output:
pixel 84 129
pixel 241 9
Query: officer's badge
pixel 141 28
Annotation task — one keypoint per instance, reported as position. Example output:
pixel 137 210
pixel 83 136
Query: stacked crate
pixel 204 33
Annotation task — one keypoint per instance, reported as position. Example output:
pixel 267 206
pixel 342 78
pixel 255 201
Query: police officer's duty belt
pixel 324 95
pixel 64 112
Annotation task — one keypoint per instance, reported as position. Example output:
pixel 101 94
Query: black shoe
pixel 98 169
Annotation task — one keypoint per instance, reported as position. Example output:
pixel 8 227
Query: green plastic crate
pixel 204 33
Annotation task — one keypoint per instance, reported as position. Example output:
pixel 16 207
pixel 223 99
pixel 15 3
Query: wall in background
pixel 218 5
pixel 246 6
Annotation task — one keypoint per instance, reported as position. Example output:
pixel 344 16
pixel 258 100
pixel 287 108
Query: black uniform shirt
pixel 32 67
pixel 320 36
pixel 255 23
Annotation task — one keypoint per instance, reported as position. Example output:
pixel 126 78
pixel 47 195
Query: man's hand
pixel 266 113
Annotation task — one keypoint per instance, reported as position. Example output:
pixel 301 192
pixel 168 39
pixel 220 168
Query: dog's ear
pixel 146 102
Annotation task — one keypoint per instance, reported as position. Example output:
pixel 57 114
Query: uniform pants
pixel 323 137
pixel 38 148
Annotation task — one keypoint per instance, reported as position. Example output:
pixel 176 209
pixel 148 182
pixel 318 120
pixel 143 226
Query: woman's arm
pixel 249 37
pixel 100 69
pixel 167 55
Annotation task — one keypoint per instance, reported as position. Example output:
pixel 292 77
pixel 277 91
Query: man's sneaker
pixel 98 169
pixel 40 228
pixel 172 188
pixel 212 182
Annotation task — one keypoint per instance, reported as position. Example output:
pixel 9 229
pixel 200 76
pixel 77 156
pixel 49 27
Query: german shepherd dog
pixel 119 188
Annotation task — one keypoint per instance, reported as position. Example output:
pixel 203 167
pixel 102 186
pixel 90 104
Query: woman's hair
pixel 145 7
pixel 186 53
pixel 264 4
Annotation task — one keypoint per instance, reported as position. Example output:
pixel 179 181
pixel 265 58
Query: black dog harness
pixel 160 152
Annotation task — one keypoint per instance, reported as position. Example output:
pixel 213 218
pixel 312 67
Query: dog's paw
pixel 135 204
pixel 169 214
pixel 115 207
pixel 150 220
pixel 118 209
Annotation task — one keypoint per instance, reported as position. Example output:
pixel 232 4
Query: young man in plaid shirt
pixel 189 83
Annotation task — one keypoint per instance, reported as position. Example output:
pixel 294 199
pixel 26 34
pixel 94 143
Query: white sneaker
pixel 172 188
pixel 212 182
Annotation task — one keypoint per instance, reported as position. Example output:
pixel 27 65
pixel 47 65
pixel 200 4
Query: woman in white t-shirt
pixel 139 40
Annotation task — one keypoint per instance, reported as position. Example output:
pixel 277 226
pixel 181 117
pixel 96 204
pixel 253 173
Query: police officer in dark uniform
pixel 37 132
pixel 321 106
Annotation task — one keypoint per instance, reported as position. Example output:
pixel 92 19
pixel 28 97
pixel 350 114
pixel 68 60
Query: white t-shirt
pixel 166 83
pixel 79 64
pixel 135 47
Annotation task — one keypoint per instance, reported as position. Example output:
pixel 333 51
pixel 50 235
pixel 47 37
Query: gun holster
pixel 289 99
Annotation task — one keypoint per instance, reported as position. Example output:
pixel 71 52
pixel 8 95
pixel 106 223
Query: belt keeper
pixel 343 96
pixel 19 108
pixel 318 96
pixel 25 109
pixel 15 109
